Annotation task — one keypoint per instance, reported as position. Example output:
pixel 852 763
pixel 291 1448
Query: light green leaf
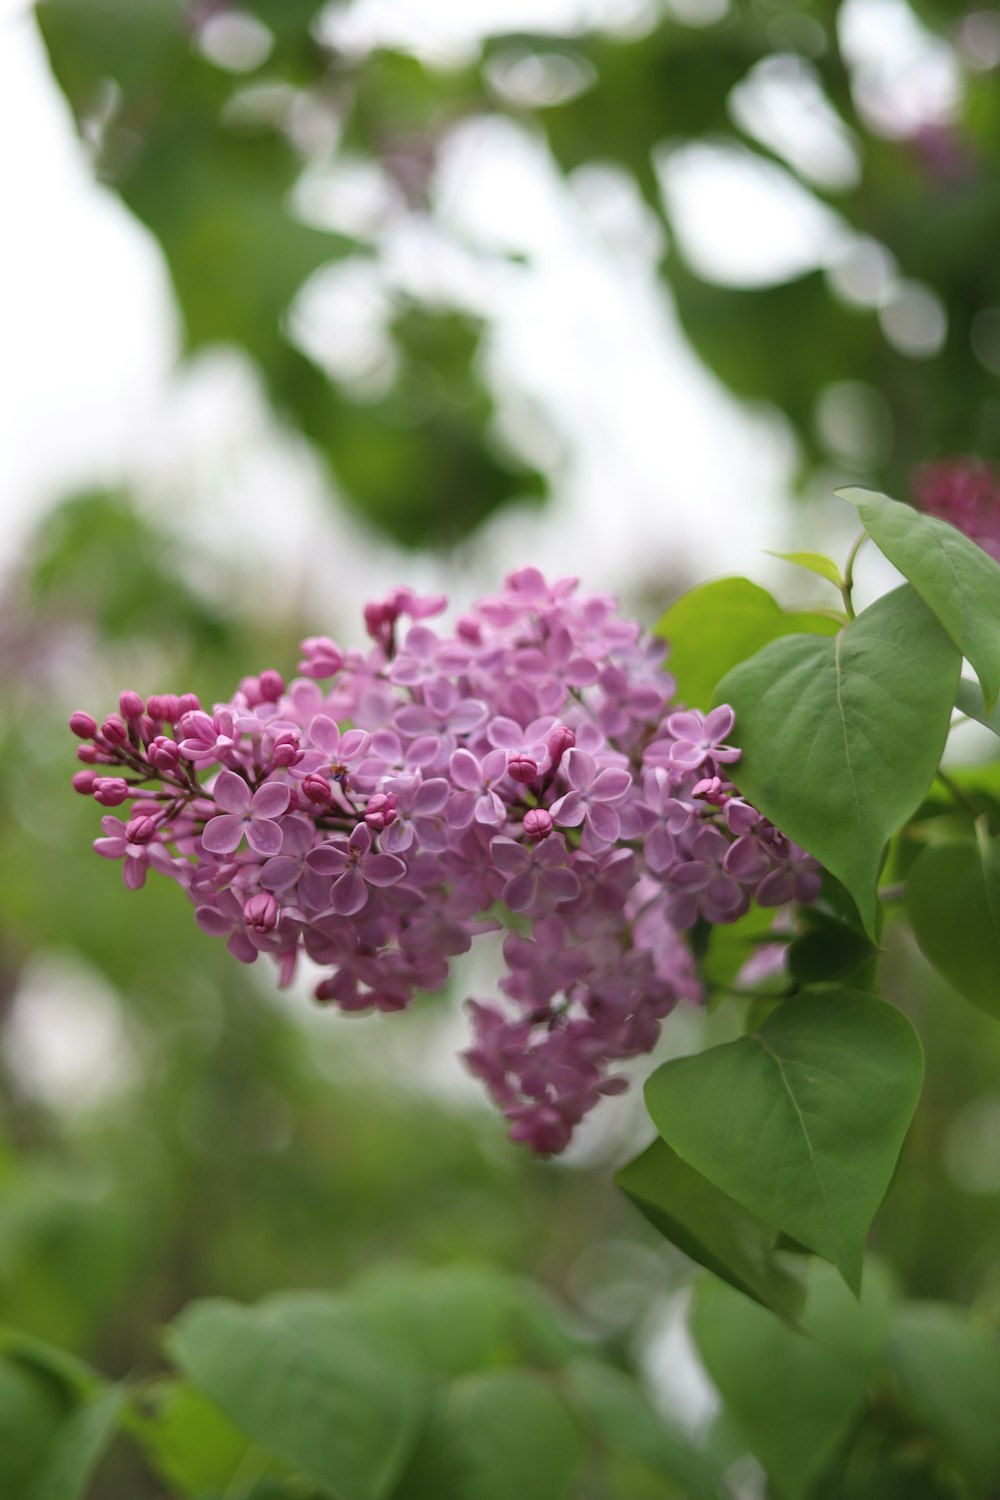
pixel 626 1421
pixel 302 1375
pixel 953 902
pixel 516 1436
pixel 969 700
pixel 841 738
pixel 715 626
pixel 793 1396
pixel 711 1227
pixel 955 577
pixel 802 1121
pixel 813 562
pixel 455 1319
pixel 188 1440
pixel 77 1448
pixel 948 1371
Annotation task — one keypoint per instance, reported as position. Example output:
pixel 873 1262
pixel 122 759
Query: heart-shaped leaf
pixel 841 738
pixel 711 1227
pixel 955 577
pixel 792 1397
pixel 302 1375
pixel 715 626
pixel 953 902
pixel 801 1121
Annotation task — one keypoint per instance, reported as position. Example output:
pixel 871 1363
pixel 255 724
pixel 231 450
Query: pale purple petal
pixel 604 821
pixel 383 869
pixel 223 834
pixel 581 769
pixel 328 860
pixel 509 857
pixel 431 796
pixel 719 722
pixel 520 892
pixel 660 850
pixel 281 872
pixel 398 836
pixel 211 920
pixel 263 836
pixel 686 726
pixel 112 848
pixel 465 771
pixel 490 809
pixel 569 810
pixel 231 793
pixel 271 800
pixel 134 872
pixel 504 734
pixel 360 840
pixel 562 884
pixel 325 732
pixel 610 785
pixel 355 742
pixel 349 894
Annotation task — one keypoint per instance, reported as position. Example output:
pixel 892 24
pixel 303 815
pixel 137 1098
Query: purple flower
pixel 592 796
pixel 245 813
pixel 535 872
pixel 355 868
pixel 117 845
pixel 418 810
pixel 477 780
pixel 697 738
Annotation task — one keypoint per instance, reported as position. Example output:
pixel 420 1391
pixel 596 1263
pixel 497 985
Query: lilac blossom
pixel 382 810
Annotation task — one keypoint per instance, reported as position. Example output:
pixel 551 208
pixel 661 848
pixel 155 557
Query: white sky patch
pixel 781 103
pixel 902 76
pixel 742 221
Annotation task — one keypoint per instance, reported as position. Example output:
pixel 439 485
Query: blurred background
pixel 298 302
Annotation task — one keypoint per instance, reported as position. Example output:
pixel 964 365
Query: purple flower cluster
pixel 966 493
pixel 525 771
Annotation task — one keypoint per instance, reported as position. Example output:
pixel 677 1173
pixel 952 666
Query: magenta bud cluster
pixel 526 770
pixel 965 492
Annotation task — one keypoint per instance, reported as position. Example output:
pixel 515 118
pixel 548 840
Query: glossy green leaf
pixel 955 577
pixel 841 738
pixel 717 625
pixel 813 562
pixel 802 1121
pixel 792 1395
pixel 618 1410
pixel 948 1370
pixel 710 1227
pixel 302 1375
pixel 953 902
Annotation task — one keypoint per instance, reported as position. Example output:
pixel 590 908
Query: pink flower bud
pixel 261 912
pixel 147 728
pixel 88 753
pixel 321 657
pixel 164 753
pixel 272 685
pixel 84 782
pixel 317 789
pixel 537 824
pixel 250 688
pixel 286 750
pixel 187 703
pixel 381 810
pixel 83 724
pixel 141 830
pixel 114 731
pixel 560 739
pixel 164 707
pixel 522 768
pixel 130 704
pixel 711 789
pixel 110 791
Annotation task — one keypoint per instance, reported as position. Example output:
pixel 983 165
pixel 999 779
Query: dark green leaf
pixel 302 1375
pixel 77 1448
pixel 953 902
pixel 955 577
pixel 717 625
pixel 516 1435
pixel 829 950
pixel 792 1395
pixel 710 1227
pixel 802 1121
pixel 948 1371
pixel 455 1320
pixel 841 739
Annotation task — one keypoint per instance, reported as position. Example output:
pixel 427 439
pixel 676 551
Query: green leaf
pixel 829 950
pixel 792 1396
pixel 969 700
pixel 710 1227
pixel 802 1121
pixel 456 1319
pixel 813 562
pixel 302 1375
pixel 953 902
pixel 516 1434
pixel 948 1371
pixel 841 738
pixel 616 1406
pixel 955 577
pixel 30 1414
pixel 77 1448
pixel 188 1440
pixel 716 626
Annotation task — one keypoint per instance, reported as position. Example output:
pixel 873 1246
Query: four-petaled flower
pixel 698 737
pixel 591 797
pixel 245 812
pixel 355 867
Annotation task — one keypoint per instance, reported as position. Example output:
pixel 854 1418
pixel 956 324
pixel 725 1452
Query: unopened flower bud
pixel 83 724
pixel 141 830
pixel 381 810
pixel 710 789
pixel 286 750
pixel 114 731
pixel 187 703
pixel 560 739
pixel 522 768
pixel 317 789
pixel 130 704
pixel 84 782
pixel 537 824
pixel 164 753
pixel 110 791
pixel 88 753
pixel 272 685
pixel 261 912
pixel 164 708
pixel 321 657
